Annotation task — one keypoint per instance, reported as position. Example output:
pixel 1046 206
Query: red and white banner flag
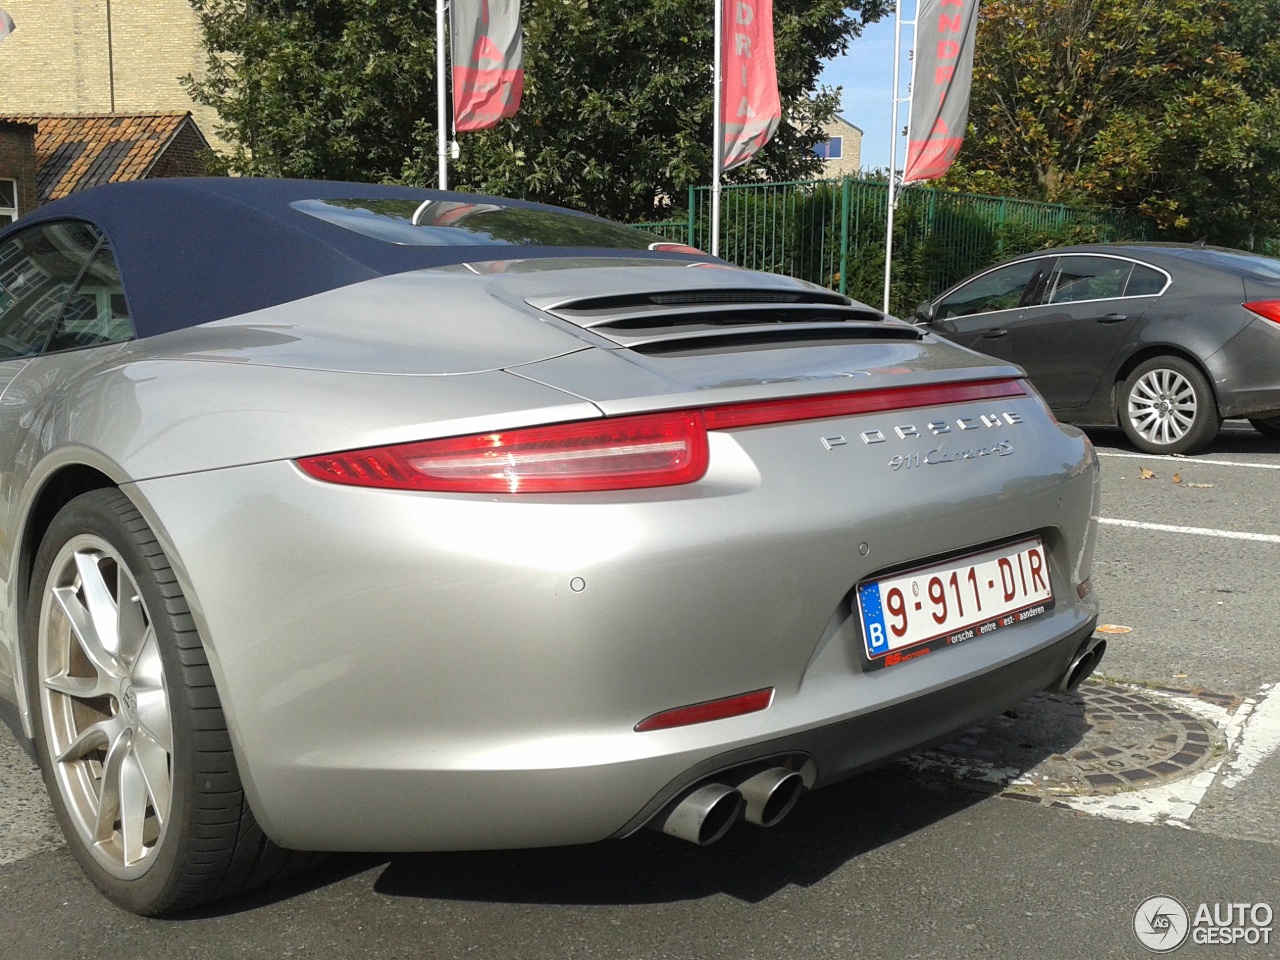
pixel 946 31
pixel 488 61
pixel 750 109
pixel 6 25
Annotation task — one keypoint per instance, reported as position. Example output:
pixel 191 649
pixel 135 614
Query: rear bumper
pixel 421 672
pixel 850 746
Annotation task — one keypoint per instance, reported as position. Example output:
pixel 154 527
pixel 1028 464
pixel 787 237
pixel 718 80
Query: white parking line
pixel 1197 460
pixel 1197 531
pixel 1261 729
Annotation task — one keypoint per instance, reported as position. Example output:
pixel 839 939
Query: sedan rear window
pixel 1145 282
pixel 452 223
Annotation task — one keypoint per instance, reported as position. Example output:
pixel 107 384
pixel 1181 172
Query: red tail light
pixel 613 453
pixel 1268 309
pixel 623 453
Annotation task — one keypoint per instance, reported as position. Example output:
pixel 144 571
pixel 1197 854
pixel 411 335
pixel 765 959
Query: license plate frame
pixel 1004 585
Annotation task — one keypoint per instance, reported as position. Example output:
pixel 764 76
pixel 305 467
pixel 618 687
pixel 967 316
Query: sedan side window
pixel 1088 278
pixel 96 311
pixel 38 269
pixel 1145 282
pixel 1001 289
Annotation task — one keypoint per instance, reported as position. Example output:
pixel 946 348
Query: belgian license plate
pixel 911 614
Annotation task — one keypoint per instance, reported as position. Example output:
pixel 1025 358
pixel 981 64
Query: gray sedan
pixel 341 517
pixel 1164 340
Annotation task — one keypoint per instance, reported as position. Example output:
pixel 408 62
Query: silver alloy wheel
pixel 1162 406
pixel 105 706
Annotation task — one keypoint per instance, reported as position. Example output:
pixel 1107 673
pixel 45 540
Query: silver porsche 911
pixel 339 517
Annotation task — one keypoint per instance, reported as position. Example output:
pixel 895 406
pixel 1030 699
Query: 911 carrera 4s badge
pixel 937 455
pixel 909 614
pixel 959 426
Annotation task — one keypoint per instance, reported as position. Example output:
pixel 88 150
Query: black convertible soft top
pixel 193 250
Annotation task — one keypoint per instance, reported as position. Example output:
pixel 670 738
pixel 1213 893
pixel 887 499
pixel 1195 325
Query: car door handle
pixel 1113 318
pixel 994 332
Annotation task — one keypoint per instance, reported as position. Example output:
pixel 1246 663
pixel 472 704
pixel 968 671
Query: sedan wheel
pixel 1267 426
pixel 1167 406
pixel 129 730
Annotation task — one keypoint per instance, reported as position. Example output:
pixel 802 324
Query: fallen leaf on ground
pixel 1145 474
pixel 1177 478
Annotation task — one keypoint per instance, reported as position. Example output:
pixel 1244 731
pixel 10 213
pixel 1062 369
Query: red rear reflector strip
pixel 743 703
pixel 866 401
pixel 1269 309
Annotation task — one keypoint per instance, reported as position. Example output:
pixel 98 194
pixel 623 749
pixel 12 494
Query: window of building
pixel 8 201
pixel 832 149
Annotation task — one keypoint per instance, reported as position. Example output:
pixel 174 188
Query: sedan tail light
pixel 1268 309
pixel 612 453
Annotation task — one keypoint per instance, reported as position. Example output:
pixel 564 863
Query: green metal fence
pixel 832 232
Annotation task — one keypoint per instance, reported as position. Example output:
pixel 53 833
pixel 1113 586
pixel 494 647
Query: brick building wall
pixel 18 161
pixel 849 137
pixel 182 158
pixel 58 60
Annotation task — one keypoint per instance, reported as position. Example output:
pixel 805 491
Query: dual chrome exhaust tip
pixel 761 796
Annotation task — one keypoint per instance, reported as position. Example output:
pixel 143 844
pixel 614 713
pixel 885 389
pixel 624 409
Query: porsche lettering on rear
pixel 937 428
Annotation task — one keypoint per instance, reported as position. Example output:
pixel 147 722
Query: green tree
pixel 617 109
pixel 1165 108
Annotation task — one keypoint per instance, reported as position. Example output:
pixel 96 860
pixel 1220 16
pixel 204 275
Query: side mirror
pixel 923 314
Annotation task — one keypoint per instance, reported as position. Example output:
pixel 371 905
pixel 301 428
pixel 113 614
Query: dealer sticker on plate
pixel 910 614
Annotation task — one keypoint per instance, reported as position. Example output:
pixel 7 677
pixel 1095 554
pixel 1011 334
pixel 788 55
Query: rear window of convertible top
pixel 452 223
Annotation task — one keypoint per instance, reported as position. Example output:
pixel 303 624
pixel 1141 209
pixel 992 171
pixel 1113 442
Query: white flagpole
pixel 442 154
pixel 717 136
pixel 893 144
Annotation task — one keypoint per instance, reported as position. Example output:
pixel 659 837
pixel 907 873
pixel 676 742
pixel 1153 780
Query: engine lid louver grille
pixel 698 321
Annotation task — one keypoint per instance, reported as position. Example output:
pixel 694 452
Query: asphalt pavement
pixel 1014 841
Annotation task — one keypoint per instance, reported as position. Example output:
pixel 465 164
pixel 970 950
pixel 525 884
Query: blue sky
pixel 866 74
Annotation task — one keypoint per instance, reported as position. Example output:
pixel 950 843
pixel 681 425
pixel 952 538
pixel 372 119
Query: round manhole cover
pixel 1101 739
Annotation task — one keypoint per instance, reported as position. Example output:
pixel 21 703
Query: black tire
pixel 100 703
pixel 1267 426
pixel 1167 406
